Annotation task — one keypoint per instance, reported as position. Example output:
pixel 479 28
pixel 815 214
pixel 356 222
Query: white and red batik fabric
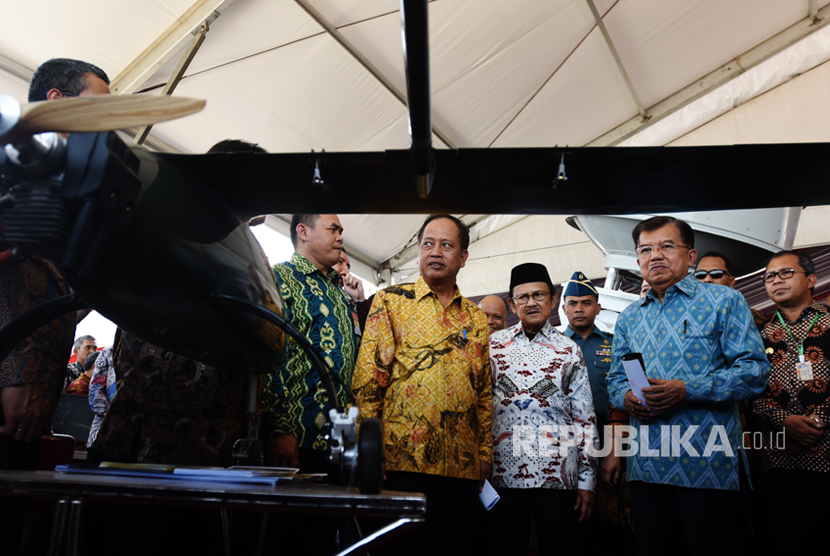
pixel 543 412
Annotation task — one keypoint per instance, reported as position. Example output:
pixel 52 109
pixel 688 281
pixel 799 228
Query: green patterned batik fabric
pixel 293 397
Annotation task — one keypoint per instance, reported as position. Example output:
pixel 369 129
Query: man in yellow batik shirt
pixel 424 371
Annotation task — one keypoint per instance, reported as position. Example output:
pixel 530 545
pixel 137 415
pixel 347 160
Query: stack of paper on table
pixel 255 475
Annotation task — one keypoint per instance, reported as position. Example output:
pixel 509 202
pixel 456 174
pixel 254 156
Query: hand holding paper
pixel 635 371
pixel 662 395
pixel 635 401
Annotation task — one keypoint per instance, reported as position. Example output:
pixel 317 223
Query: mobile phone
pixel 635 356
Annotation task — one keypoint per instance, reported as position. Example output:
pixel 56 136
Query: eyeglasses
pixel 784 274
pixel 68 94
pixel 667 249
pixel 715 274
pixel 537 296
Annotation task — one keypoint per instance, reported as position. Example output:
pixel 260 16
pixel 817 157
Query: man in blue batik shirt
pixel 702 355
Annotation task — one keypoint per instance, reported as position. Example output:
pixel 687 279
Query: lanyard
pixel 800 344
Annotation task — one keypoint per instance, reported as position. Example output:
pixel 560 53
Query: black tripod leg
pixel 317 362
pixel 25 324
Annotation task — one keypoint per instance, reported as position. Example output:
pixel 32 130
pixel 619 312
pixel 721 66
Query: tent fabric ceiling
pixel 504 73
pixel 329 74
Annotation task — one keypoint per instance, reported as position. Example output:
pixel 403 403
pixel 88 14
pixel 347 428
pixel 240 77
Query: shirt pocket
pixel 700 340
pixel 699 330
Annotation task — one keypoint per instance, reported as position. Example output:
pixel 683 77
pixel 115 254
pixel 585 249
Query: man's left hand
pixel 353 288
pixel 483 473
pixel 584 504
pixel 610 469
pixel 664 394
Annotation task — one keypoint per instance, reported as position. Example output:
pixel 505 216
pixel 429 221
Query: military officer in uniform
pixel 580 301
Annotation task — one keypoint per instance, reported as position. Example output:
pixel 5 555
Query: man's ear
pixel 464 255
pixel 811 281
pixel 53 94
pixel 512 306
pixel 302 232
pixel 692 257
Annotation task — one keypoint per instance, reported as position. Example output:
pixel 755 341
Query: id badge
pixel 356 322
pixel 805 370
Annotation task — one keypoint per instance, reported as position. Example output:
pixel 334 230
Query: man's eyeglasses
pixel 784 274
pixel 715 274
pixel 667 249
pixel 537 296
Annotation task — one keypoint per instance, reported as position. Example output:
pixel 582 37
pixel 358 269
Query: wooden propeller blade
pixel 102 113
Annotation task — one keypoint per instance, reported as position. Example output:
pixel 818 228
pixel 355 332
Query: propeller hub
pixel 10 112
pixel 39 154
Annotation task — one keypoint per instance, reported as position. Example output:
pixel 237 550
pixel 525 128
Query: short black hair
pixel 463 231
pixel 726 262
pixel 309 220
pixel 90 361
pixel 657 222
pixel 64 74
pixel 804 260
pixel 235 146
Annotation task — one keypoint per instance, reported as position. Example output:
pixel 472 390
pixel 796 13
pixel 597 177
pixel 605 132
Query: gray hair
pixel 79 341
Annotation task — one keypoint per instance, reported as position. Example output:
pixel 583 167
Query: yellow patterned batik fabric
pixel 424 371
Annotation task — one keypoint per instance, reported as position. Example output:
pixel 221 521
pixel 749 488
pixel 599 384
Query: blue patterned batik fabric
pixel 704 335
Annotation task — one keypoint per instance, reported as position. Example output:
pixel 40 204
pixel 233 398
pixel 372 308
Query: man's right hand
pixel 353 288
pixel 803 430
pixel 25 412
pixel 635 407
pixel 281 450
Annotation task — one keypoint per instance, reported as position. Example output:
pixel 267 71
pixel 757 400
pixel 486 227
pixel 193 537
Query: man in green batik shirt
pixel 294 402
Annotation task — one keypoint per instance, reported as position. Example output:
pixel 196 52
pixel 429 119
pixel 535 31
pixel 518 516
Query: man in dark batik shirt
pixel 795 406
pixel 170 409
pixel 32 375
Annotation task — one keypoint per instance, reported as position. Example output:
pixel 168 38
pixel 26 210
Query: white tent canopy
pixel 329 74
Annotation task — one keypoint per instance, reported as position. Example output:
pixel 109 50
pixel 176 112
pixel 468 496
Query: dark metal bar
pixel 178 73
pixel 381 535
pixel 58 527
pixel 416 60
pixel 74 528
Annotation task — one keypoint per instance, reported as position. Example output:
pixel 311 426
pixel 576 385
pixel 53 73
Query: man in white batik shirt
pixel 543 423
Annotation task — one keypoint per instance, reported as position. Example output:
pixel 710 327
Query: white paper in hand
pixel 488 496
pixel 636 377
